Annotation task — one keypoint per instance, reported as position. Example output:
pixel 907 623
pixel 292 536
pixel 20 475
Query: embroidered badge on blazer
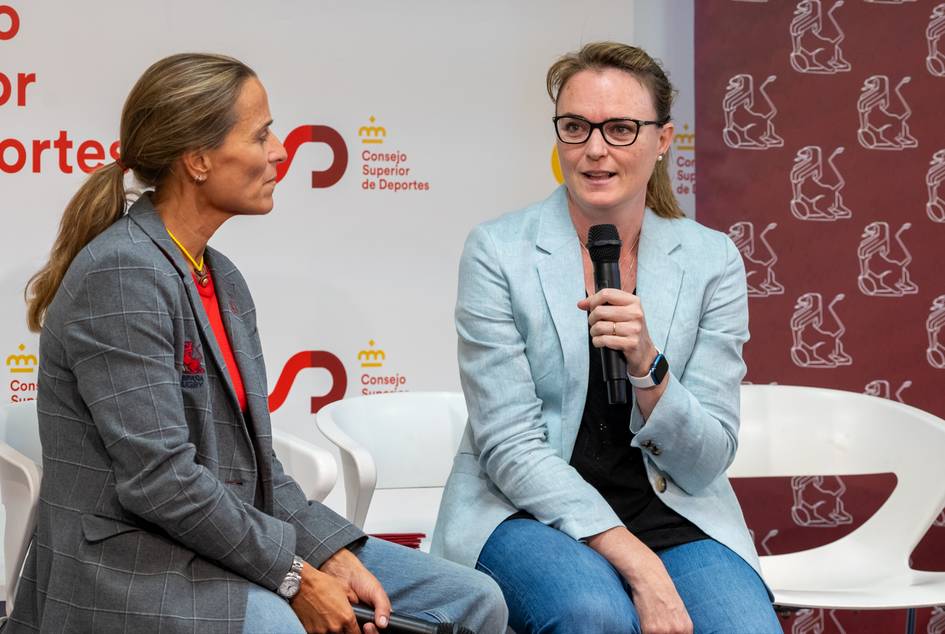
pixel 194 371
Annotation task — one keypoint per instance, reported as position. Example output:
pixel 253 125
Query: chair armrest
pixel 20 480
pixel 311 466
pixel 357 466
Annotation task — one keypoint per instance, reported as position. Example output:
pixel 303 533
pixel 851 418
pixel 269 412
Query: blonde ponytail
pixel 98 203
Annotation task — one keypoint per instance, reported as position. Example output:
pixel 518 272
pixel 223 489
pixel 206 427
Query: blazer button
pixel 660 484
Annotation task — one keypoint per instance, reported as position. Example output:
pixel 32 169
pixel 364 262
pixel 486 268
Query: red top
pixel 210 304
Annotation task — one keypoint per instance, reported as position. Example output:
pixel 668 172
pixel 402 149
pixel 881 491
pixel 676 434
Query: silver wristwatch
pixel 292 582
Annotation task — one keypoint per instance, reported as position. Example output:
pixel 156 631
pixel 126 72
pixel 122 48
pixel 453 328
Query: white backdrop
pixel 457 87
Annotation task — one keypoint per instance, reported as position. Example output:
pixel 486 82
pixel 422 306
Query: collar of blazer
pixel 560 269
pixel 145 216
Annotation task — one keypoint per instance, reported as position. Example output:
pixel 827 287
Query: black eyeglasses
pixel 618 132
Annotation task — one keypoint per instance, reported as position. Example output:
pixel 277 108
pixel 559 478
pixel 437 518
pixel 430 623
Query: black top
pixel 604 458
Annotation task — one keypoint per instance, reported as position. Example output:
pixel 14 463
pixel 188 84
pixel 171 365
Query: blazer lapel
pixel 659 276
pixel 232 305
pixel 146 217
pixel 561 274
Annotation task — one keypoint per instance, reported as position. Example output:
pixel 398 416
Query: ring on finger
pixel 614 333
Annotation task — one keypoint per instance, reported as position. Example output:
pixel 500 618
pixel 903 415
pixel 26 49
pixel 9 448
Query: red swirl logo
pixel 317 134
pixel 310 359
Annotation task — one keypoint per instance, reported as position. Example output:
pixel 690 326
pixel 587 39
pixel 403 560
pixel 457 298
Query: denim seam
pixel 528 618
pixel 437 616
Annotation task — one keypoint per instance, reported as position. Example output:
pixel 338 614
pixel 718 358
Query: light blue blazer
pixel 524 369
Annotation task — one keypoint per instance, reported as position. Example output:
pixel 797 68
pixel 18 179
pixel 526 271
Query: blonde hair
pixel 598 56
pixel 181 103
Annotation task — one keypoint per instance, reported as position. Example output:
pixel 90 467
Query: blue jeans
pixel 553 583
pixel 418 585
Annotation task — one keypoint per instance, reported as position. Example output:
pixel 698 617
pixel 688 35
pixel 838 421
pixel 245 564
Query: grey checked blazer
pixel 161 502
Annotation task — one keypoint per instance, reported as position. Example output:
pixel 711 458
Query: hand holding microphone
pixel 329 595
pixel 617 323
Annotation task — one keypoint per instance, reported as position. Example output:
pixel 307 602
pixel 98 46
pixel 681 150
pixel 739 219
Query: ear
pixel 196 165
pixel 667 134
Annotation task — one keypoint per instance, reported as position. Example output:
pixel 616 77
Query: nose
pixel 277 153
pixel 595 147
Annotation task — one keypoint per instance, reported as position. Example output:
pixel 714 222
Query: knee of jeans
pixel 762 620
pixel 488 595
pixel 587 612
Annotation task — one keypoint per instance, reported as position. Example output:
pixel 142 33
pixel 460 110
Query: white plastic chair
pixel 21 459
pixel 402 441
pixel 311 466
pixel 793 431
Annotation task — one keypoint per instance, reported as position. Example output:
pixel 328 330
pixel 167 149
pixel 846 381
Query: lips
pixel 598 176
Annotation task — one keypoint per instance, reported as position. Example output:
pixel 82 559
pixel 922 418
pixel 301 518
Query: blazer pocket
pixel 96 528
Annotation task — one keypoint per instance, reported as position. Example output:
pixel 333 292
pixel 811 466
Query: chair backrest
pixel 393 441
pixel 21 430
pixel 312 467
pixel 21 471
pixel 794 431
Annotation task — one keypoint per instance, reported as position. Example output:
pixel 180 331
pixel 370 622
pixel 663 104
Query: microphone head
pixel 603 243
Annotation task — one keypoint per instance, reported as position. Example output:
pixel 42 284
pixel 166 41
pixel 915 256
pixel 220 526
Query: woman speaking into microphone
pixel 163 507
pixel 595 515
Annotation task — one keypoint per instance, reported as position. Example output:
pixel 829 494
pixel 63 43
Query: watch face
pixel 289 587
pixel 659 372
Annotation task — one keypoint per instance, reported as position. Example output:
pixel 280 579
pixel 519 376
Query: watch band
pixel 293 580
pixel 654 376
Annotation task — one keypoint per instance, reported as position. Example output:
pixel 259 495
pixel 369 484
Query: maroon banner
pixel 821 152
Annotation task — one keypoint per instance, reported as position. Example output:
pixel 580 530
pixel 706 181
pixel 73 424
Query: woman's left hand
pixel 617 322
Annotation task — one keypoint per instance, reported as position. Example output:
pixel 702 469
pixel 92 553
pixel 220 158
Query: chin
pixel 597 200
pixel 260 209
pixel 265 204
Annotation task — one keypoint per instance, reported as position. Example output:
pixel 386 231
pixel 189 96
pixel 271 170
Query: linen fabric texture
pixel 524 370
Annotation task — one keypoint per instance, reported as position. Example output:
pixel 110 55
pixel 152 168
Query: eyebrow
pixel 578 116
pixel 264 126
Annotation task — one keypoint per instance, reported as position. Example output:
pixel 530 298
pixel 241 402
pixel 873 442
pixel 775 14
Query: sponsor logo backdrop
pixel 822 155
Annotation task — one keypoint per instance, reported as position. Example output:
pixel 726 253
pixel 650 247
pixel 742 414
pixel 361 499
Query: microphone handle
pixel 607 275
pixel 399 624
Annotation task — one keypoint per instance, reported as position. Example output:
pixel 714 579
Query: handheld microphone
pixel 603 244
pixel 399 624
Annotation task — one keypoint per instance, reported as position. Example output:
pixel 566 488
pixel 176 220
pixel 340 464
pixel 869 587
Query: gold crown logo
pixel 373 134
pixel 371 358
pixel 685 140
pixel 28 360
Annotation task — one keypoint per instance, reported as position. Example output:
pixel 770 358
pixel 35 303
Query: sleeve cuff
pixel 334 533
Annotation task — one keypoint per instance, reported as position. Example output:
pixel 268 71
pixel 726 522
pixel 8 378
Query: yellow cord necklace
pixel 202 278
